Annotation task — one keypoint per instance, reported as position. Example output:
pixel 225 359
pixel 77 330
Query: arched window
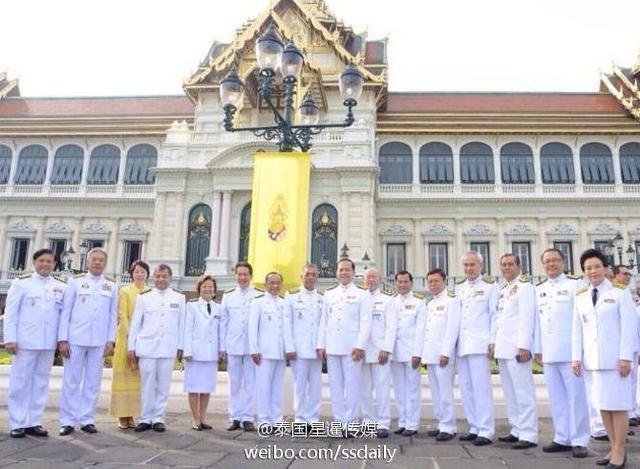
pixel 436 163
pixel 476 164
pixel 140 159
pixel 32 165
pixel 324 239
pixel 629 162
pixel 104 165
pixel 198 234
pixel 556 164
pixel 67 165
pixel 395 163
pixel 5 164
pixel 245 226
pixel 596 164
pixel 516 163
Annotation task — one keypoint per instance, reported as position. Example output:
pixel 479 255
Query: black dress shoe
pixel 554 447
pixel 142 427
pixel 248 426
pixel 38 430
pixel 433 433
pixel 482 441
pixel 235 425
pixel 634 421
pixel 579 452
pixel 206 427
pixel 409 432
pixel 89 428
pixel 468 437
pixel 66 430
pixel 383 433
pixel 158 427
pixel 444 436
pixel 17 433
pixel 508 439
pixel 524 444
pixel 600 438
pixel 400 431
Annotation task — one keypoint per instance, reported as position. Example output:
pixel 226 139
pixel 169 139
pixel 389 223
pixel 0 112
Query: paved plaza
pixel 181 447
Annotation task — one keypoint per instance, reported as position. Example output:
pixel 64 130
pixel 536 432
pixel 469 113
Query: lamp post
pixel 67 259
pixel 617 244
pixel 273 56
pixel 631 257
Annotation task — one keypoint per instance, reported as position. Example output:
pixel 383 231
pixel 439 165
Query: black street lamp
pixel 631 257
pixel 67 259
pixel 272 55
pixel 617 244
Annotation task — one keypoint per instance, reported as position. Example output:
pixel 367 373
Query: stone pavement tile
pixel 488 463
pixel 121 454
pixel 404 462
pixel 187 458
pixel 64 451
pixel 32 464
pixel 239 460
pixel 322 464
pixel 425 450
pixel 9 446
pixel 549 463
pixel 168 440
pixel 117 465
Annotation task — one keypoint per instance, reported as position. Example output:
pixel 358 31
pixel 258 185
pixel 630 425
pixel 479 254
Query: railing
pixel 141 191
pixel 236 138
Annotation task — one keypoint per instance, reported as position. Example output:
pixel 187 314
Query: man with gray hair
pixel 479 299
pixel 86 332
pixel 304 307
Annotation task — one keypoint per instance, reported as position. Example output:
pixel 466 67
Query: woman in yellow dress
pixel 125 384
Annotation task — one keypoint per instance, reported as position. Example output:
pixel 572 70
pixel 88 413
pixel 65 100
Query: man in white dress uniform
pixel 479 299
pixel 33 308
pixel 344 329
pixel 271 345
pixel 236 304
pixel 86 332
pixel 155 340
pixel 376 374
pixel 304 307
pixel 512 336
pixel 441 328
pixel 567 393
pixel 405 362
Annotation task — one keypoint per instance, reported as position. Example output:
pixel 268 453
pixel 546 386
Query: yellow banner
pixel 279 215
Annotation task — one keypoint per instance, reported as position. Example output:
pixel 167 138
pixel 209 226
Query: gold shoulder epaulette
pixel 258 289
pixel 487 279
pixel 523 278
pixel 110 278
pixel 281 295
pixel 144 292
pixel 618 285
pixel 418 295
pixel 580 290
pixel 450 294
pixel 294 291
pixel 321 293
pixel 385 292
pixel 179 291
pixel 361 287
pixel 331 287
pixel 80 275
pixel 23 276
pixel 395 294
pixel 573 277
pixel 541 282
pixel 260 296
pixel 461 281
pixel 193 300
pixel 230 290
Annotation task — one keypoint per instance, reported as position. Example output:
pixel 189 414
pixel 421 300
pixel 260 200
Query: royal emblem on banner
pixel 277 218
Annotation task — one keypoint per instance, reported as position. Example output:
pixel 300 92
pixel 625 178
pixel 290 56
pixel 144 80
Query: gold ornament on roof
pixel 200 219
pixel 324 219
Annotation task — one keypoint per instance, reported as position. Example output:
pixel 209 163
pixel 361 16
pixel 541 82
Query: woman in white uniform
pixel 201 349
pixel 604 341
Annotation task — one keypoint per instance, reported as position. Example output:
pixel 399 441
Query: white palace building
pixel 416 181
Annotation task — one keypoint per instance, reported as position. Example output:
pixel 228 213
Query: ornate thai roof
pixel 623 83
pixel 8 87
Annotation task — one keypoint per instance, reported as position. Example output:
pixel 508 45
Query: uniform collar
pixel 475 281
pixel 42 278
pixel 441 294
pixel 244 290
pixel 510 283
pixel 558 279
pixel 347 286
pixel 409 294
pixel 604 285
pixel 162 292
pixel 95 278
pixel 271 296
pixel 308 292
pixel 374 292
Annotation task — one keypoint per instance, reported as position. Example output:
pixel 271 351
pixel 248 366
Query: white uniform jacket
pixel 554 307
pixel 478 300
pixel 156 329
pixel 304 308
pixel 89 312
pixel 606 332
pixel 270 328
pixel 513 325
pixel 202 331
pixel 344 325
pixel 32 312
pixel 383 309
pixel 236 304
pixel 411 315
pixel 442 325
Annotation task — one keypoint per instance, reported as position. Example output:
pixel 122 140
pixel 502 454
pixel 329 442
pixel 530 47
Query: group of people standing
pixel 583 331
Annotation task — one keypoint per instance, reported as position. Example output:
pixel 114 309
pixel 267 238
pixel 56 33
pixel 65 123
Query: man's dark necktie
pixel 209 308
pixel 594 296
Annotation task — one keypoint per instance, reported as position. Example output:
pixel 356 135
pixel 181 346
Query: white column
pixel 458 249
pixel 75 242
pixel 216 220
pixel 155 243
pixel 112 266
pixel 225 225
pixel 500 244
pixel 179 231
pixel 4 240
pixel 542 237
pixel 617 171
pixel 39 239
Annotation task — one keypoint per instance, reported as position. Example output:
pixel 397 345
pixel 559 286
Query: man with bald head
pixel 376 375
pixel 479 299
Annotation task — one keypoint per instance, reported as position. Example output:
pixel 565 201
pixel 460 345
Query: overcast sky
pixel 142 47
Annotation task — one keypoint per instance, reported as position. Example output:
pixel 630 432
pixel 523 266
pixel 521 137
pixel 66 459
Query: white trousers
pixel 376 379
pixel 441 384
pixel 269 379
pixel 634 387
pixel 477 394
pixel 344 386
pixel 155 382
pixel 406 391
pixel 520 398
pixel 307 373
pixel 596 425
pixel 569 411
pixel 81 385
pixel 28 387
pixel 242 378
